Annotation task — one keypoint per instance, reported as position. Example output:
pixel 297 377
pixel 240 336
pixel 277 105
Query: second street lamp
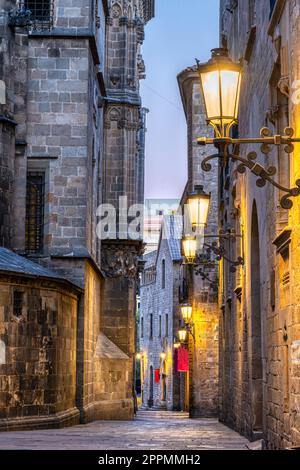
pixel 197 205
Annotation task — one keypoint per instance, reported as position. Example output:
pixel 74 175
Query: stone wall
pixel 163 305
pixel 202 292
pixel 260 326
pixel 38 373
pixel 12 57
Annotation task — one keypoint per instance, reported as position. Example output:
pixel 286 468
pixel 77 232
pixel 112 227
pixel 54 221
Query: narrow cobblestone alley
pixel 149 431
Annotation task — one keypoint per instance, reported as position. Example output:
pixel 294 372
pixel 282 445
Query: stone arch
pixel 256 326
pixel 130 12
pixel 113 114
pixel 2 352
pixel 116 10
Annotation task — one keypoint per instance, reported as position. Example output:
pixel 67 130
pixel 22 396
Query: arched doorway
pixel 256 322
pixel 151 380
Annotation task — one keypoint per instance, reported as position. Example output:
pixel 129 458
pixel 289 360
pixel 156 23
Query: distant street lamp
pixel 186 312
pixel 220 80
pixel 163 356
pixel 138 356
pixel 182 335
pixel 189 248
pixel 176 344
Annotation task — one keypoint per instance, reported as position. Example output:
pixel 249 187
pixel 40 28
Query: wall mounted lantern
pixel 186 312
pixel 221 85
pixel 194 257
pixel 163 356
pixel 176 344
pixel 182 335
pixel 138 356
pixel 189 248
pixel 220 80
pixel 197 205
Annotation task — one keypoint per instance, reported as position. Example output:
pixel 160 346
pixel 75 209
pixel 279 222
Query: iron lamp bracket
pixel 264 175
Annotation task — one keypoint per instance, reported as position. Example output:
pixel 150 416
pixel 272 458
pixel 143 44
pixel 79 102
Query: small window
pixel 163 274
pixel 167 325
pixel 151 326
pixel 41 12
pixel 18 303
pixel 35 201
pixel 160 328
pixel 142 327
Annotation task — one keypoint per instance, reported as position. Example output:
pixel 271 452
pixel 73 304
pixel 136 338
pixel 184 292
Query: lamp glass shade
pixel 138 356
pixel 182 335
pixel 189 247
pixel 163 356
pixel 198 207
pixel 221 84
pixel 187 313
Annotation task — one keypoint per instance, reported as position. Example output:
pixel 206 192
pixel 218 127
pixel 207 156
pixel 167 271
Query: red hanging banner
pixel 157 376
pixel 183 360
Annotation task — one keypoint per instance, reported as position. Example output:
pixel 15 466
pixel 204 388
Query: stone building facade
pixel 202 290
pixel 259 318
pixel 55 150
pixel 162 386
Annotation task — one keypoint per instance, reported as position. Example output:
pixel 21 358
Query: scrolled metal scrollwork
pixel 264 175
pixel 220 253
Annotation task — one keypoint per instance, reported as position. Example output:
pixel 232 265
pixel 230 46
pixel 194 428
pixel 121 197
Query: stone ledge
pixel 59 420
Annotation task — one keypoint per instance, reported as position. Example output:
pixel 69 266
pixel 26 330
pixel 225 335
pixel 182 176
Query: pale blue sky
pixel 180 31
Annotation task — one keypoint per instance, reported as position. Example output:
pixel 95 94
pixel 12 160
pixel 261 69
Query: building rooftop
pixel 172 231
pixel 12 263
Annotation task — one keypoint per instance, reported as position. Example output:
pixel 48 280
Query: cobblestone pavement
pixel 149 431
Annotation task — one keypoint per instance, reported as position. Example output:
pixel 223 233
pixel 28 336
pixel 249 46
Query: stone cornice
pixel 283 239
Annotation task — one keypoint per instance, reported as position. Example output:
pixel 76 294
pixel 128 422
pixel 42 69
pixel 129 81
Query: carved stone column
pixel 120 267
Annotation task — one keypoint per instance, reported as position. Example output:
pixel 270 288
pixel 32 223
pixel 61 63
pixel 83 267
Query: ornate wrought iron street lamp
pixel 186 312
pixel 182 335
pixel 197 205
pixel 221 83
pixel 189 249
pixel 193 257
